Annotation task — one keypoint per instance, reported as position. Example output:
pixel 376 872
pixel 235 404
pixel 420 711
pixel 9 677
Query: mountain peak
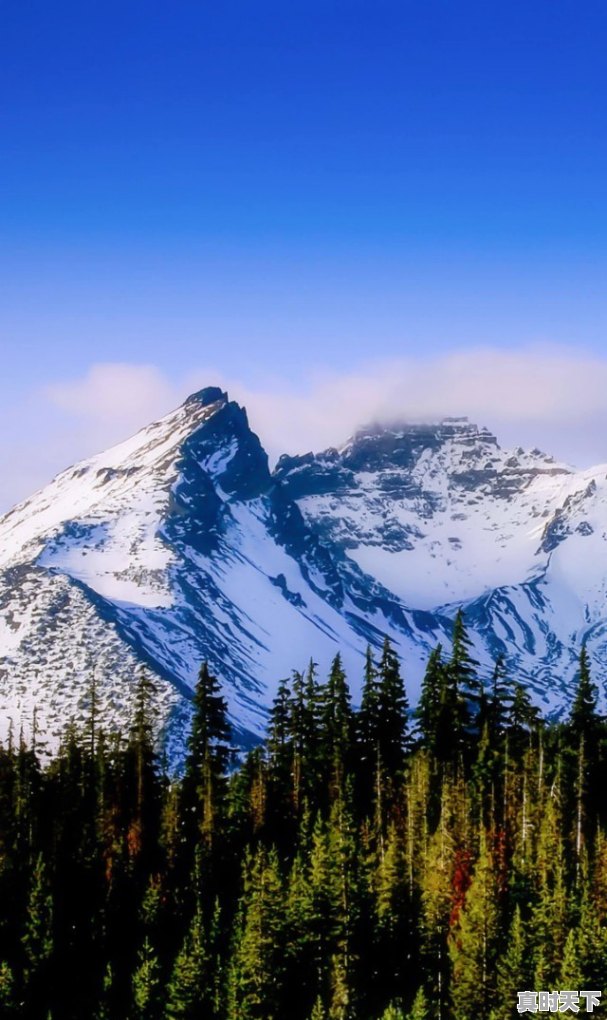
pixel 206 396
pixel 179 545
pixel 400 444
pixel 222 445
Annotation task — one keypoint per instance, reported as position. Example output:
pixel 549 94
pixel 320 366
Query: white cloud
pixel 67 421
pixel 115 397
pixel 546 396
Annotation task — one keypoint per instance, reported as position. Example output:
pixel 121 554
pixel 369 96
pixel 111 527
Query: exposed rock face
pixel 181 545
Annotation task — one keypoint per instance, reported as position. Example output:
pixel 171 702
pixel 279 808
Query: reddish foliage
pixel 133 839
pixel 460 882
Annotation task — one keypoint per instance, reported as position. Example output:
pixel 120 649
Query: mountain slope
pixel 171 548
pixel 181 545
pixel 444 518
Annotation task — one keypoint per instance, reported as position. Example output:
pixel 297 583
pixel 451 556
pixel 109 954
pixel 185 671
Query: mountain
pixel 181 545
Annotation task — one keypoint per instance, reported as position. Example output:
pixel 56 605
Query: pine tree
pixel 302 979
pixel 312 757
pixel 319 1012
pixel 210 731
pixel 280 813
pixel 367 733
pixel 279 731
pixel 461 664
pixel 104 1009
pixel 499 699
pixel 204 781
pixel 393 909
pixel 459 686
pixel 257 969
pixel 521 720
pixel 8 998
pixel 473 943
pixel 437 900
pixel 142 725
pixel 147 988
pixel 420 1010
pixel 553 908
pixel 141 769
pixel 571 970
pixel 26 790
pixel 340 1008
pixel 93 714
pixel 303 725
pixel 428 707
pixel 190 989
pixel 583 716
pixel 392 713
pixel 514 970
pixel 483 771
pixel 583 733
pixel 393 1012
pixel 324 891
pixel 337 725
pixel 369 707
pixel 38 940
pixel 589 950
pixel 345 889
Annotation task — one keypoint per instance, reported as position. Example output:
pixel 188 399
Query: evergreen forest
pixel 368 864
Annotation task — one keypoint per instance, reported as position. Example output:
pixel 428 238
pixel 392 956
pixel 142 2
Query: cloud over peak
pixel 546 396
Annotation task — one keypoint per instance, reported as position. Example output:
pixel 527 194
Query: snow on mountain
pixel 439 513
pixel 443 517
pixel 180 545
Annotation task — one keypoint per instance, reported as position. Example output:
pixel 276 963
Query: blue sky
pixel 282 193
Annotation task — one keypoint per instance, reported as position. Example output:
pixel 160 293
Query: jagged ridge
pixel 181 545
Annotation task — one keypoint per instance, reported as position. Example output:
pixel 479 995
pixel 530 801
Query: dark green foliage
pixel 204 783
pixel 462 666
pixel 514 969
pixel 428 706
pixel 368 714
pixel 460 693
pixel 190 990
pixel 339 871
pixel 521 720
pixel 392 713
pixel 208 744
pixel 583 717
pixel 337 724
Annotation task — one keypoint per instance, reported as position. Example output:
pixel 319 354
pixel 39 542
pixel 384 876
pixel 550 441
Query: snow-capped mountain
pixel 181 545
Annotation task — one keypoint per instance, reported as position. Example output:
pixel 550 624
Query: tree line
pixel 369 864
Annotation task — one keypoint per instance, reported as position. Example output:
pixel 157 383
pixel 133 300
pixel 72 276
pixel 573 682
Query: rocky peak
pixel 400 445
pixel 206 397
pixel 224 448
pixel 389 451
